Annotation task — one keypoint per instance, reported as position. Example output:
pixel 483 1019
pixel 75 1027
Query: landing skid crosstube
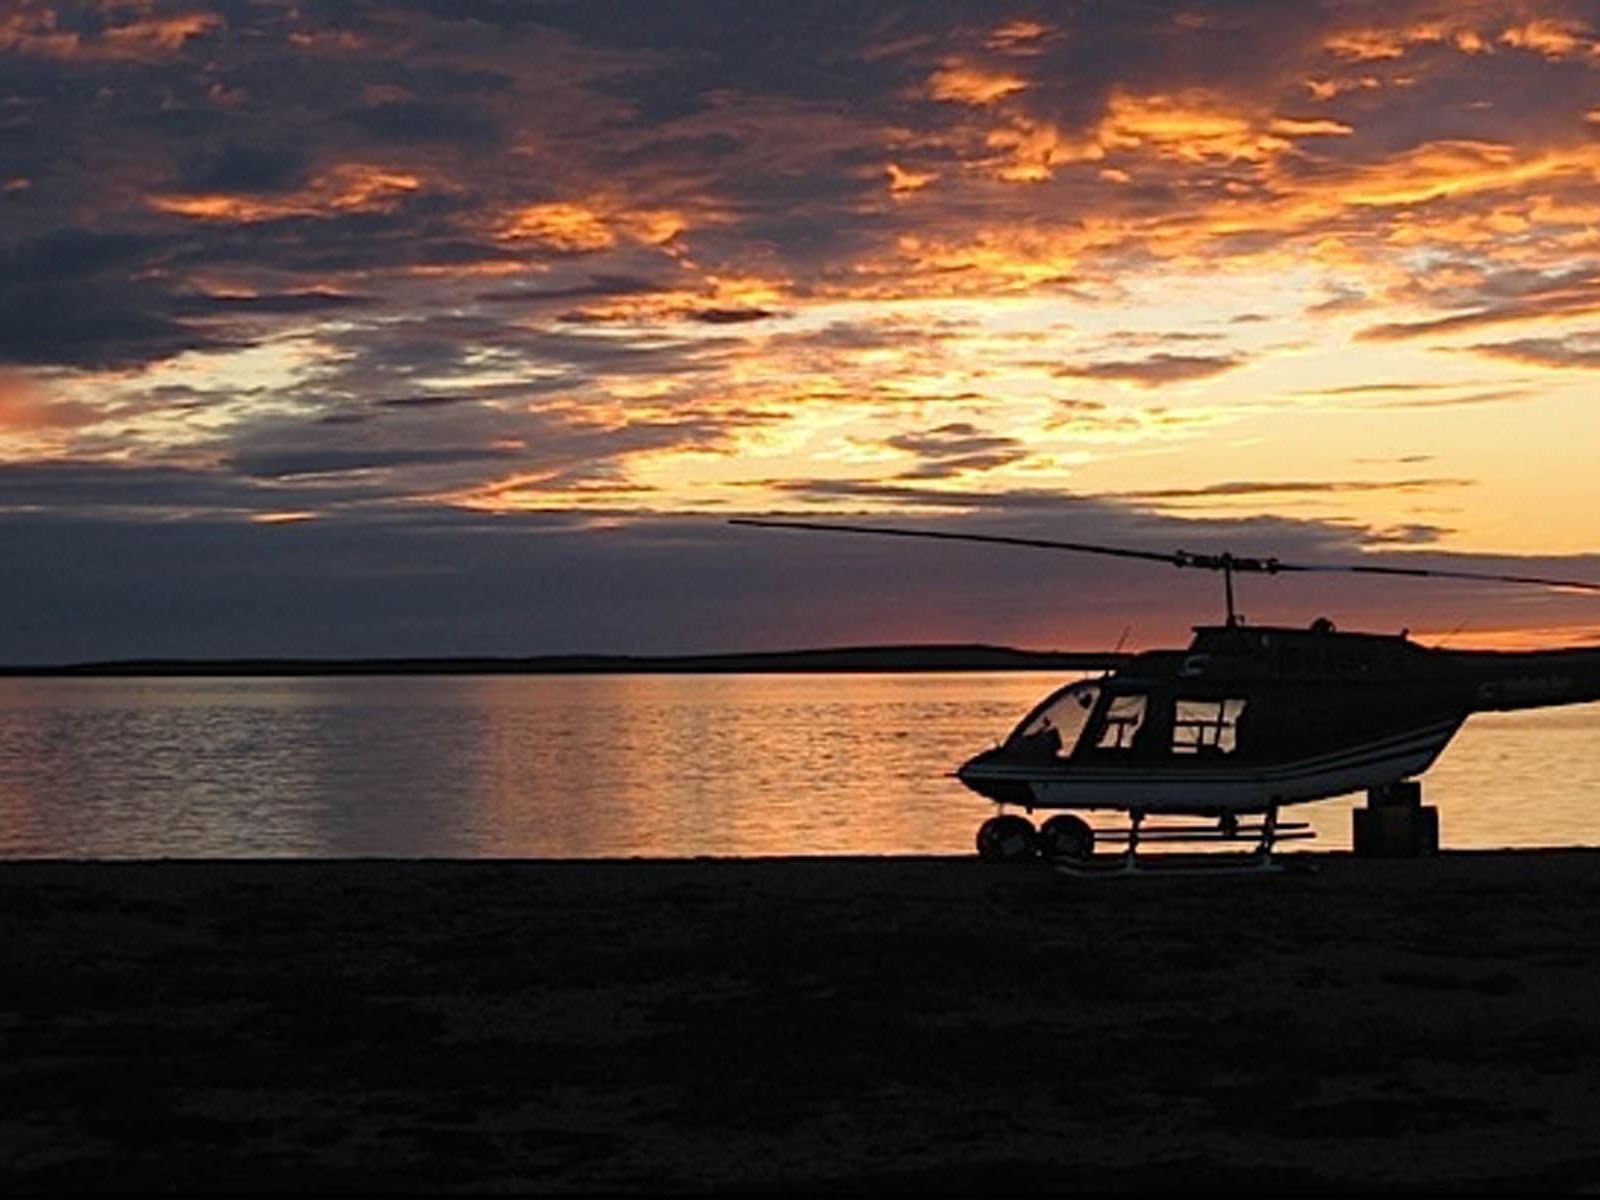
pixel 1068 842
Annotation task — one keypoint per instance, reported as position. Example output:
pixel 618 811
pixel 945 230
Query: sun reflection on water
pixel 622 765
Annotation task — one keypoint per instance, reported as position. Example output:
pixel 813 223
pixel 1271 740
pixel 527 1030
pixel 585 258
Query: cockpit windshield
pixel 1052 729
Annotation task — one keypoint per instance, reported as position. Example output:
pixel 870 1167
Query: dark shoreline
pixel 845 659
pixel 812 1023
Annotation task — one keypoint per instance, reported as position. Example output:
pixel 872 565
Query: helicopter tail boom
pixel 1538 679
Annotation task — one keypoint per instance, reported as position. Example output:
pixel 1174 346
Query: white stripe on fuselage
pixel 1224 785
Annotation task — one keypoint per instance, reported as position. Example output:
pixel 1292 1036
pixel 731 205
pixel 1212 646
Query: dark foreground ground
pixel 927 1024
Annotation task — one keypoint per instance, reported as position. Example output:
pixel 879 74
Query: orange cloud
pixel 1191 127
pixel 333 40
pixel 589 226
pixel 1461 167
pixel 349 187
pixel 903 182
pixel 720 300
pixel 1553 38
pixel 283 518
pixel 570 227
pixel 158 35
pixel 1290 127
pixel 33 29
pixel 1034 150
pixel 1016 37
pixel 1327 89
pixel 27 408
pixel 960 83
pixel 1365 45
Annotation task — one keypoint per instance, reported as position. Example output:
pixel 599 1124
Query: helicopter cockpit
pixel 1103 721
pixel 1053 728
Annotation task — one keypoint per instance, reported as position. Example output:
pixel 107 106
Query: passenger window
pixel 1124 715
pixel 1206 726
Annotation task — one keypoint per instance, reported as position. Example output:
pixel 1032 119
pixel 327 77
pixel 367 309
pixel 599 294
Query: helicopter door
pixel 1206 727
pixel 1124 715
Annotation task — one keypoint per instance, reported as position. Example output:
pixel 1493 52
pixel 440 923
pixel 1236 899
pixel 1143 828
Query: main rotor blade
pixel 1177 560
pixel 1181 558
pixel 1431 573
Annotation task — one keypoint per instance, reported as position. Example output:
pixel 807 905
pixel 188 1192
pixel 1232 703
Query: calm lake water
pixel 586 766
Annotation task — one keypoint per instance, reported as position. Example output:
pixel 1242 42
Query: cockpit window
pixel 1124 715
pixel 1206 726
pixel 1052 729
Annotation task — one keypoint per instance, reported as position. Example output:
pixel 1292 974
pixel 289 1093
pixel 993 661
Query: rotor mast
pixel 1228 564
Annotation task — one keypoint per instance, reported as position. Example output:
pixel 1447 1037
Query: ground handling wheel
pixel 1066 838
pixel 1007 838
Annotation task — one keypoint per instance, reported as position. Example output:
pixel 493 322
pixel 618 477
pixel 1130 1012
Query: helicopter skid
pixel 1286 831
pixel 1213 788
pixel 1270 832
pixel 1125 866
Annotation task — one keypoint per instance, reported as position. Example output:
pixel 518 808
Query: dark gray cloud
pixel 1580 350
pixel 1516 297
pixel 730 316
pixel 1295 487
pixel 310 462
pixel 404 121
pixel 272 304
pixel 67 253
pixel 110 491
pixel 953 439
pixel 1412 534
pixel 1424 395
pixel 428 401
pixel 956 466
pixel 1154 371
pixel 246 168
pixel 1467 399
pixel 593 287
pixel 1364 389
pixel 81 298
pixel 426 582
pixel 95 327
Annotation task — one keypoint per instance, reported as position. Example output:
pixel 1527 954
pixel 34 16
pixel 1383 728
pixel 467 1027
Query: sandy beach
pixel 783 1024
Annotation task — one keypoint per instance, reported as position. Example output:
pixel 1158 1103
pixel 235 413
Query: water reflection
pixel 589 766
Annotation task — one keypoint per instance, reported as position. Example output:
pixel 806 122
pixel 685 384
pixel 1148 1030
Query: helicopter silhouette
pixel 1243 721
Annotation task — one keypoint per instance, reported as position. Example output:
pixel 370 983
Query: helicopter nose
pixel 978 779
pixel 965 771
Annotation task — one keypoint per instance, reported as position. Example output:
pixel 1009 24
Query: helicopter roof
pixel 1231 639
pixel 1321 654
pixel 1261 652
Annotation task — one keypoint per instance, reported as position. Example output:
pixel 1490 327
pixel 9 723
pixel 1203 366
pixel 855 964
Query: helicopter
pixel 1242 722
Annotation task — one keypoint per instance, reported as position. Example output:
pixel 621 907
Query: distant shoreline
pixel 844 660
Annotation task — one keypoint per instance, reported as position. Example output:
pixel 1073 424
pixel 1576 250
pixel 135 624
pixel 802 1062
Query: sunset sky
pixel 460 326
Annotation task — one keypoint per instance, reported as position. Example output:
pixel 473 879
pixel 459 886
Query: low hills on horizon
pixel 959 657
